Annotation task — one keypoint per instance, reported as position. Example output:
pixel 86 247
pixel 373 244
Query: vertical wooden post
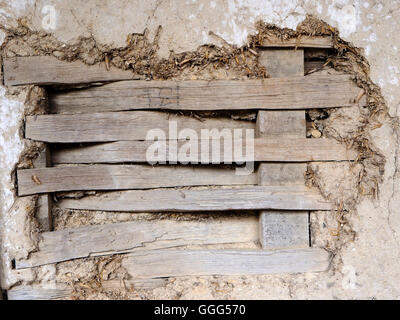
pixel 282 229
pixel 44 202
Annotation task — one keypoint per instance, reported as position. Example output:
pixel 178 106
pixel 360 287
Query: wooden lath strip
pixel 113 126
pixel 108 239
pixel 197 200
pixel 47 70
pixel 150 268
pixel 39 293
pixel 300 42
pixel 120 177
pixel 178 263
pixel 60 291
pixel 274 150
pixel 320 91
pixel 44 70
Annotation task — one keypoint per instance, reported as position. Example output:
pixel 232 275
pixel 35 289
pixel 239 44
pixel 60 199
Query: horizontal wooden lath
pixel 211 199
pixel 300 41
pixel 44 70
pixel 47 70
pixel 282 150
pixel 120 177
pixel 39 293
pixel 113 126
pixel 97 240
pixel 320 91
pixel 60 291
pixel 150 269
pixel 178 263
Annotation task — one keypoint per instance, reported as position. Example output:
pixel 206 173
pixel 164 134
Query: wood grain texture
pixel 178 263
pixel 197 200
pixel 44 70
pixel 276 149
pixel 60 291
pixel 282 63
pixel 283 124
pixel 281 174
pixel 113 126
pixel 99 240
pixel 39 293
pixel 300 41
pixel 44 202
pixel 275 93
pixel 282 229
pixel 120 177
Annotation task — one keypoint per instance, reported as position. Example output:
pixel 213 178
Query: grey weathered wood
pixel 281 174
pixel 178 263
pixel 44 202
pixel 282 63
pixel 113 126
pixel 196 200
pixel 60 291
pixel 114 177
pixel 120 177
pixel 43 70
pixel 282 229
pixel 285 93
pixel 300 41
pixel 282 124
pixel 98 240
pixel 276 149
pixel 39 293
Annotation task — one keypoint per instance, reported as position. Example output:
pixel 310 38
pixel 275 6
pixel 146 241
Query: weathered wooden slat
pixel 281 63
pixel 300 41
pixel 192 200
pixel 282 229
pixel 113 126
pixel 283 124
pixel 281 174
pixel 120 177
pixel 284 93
pixel 39 293
pixel 61 291
pixel 89 241
pixel 44 70
pixel 277 149
pixel 178 263
pixel 44 202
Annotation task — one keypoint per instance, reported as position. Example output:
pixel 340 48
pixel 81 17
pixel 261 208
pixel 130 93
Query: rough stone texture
pixel 368 267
